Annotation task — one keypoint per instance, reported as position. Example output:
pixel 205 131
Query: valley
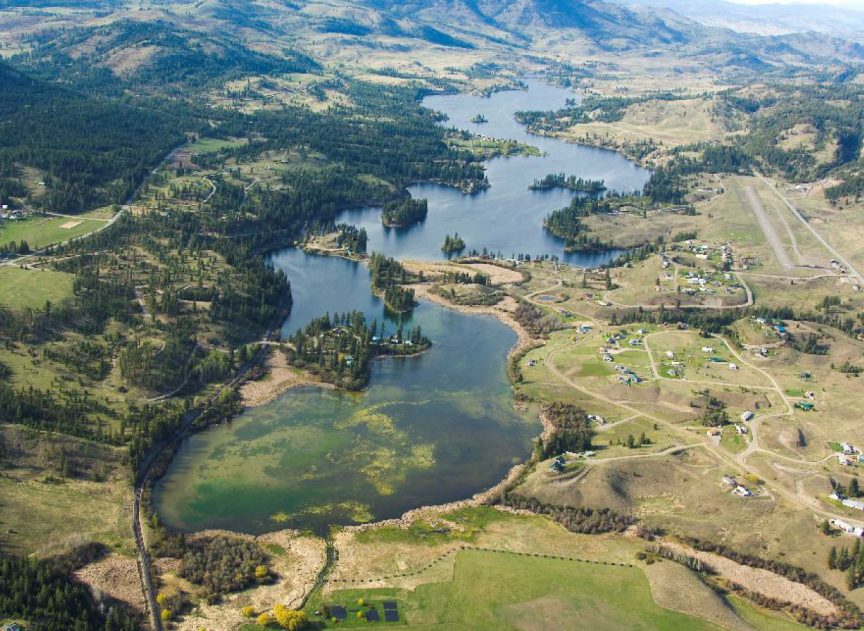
pixel 439 315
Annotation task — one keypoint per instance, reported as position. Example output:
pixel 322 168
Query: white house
pixel 858 531
pixel 742 491
pixel 856 504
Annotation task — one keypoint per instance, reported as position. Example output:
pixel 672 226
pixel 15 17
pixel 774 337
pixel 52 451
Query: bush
pixel 290 619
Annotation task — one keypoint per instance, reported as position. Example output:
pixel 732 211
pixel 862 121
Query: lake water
pixel 507 217
pixel 429 429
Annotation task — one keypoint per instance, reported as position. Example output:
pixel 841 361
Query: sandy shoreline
pixel 279 379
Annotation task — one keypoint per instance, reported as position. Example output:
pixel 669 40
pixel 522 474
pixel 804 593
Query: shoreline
pixel 279 379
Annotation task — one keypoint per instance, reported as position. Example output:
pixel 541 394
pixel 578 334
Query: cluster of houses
pixel 737 489
pixel 776 325
pixel 740 428
pixel 849 455
pixel 559 463
pixel 626 375
pixel 10 214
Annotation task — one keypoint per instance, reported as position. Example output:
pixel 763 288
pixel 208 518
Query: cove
pixel 507 217
pixel 429 429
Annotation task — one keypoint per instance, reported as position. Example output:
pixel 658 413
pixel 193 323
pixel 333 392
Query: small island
pixel 479 119
pixel 404 212
pixel 338 350
pixel 453 244
pixel 571 183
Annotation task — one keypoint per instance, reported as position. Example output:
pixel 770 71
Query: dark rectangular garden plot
pixel 391 615
pixel 339 613
pixel 372 615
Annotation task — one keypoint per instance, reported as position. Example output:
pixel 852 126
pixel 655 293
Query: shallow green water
pixel 429 429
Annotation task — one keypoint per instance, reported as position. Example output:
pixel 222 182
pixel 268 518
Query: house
pixel 741 430
pixel 806 406
pixel 742 491
pixel 856 504
pixel 857 531
pixel 532 362
pixel 607 358
pixel 733 366
pixel 707 349
pixel 556 466
pixel 11 626
pixel 728 480
pixel 845 460
pixel 848 448
pixel 746 415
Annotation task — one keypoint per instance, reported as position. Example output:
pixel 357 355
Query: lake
pixel 429 429
pixel 507 217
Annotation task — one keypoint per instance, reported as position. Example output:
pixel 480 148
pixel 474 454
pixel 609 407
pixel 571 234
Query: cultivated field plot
pixel 40 232
pixel 437 583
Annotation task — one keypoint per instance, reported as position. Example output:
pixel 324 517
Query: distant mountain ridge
pixel 767 19
pixel 603 22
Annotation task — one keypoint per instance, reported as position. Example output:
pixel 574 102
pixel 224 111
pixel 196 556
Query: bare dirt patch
pixel 497 274
pixel 675 587
pixel 71 224
pixel 280 378
pixel 762 581
pixel 296 560
pixel 116 576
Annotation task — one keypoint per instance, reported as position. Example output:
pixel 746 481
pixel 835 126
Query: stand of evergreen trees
pixel 404 212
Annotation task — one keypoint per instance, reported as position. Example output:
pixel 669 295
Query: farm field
pixel 492 590
pixel 40 232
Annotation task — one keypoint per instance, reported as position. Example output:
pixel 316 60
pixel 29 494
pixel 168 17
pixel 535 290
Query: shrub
pixel 290 619
pixel 221 564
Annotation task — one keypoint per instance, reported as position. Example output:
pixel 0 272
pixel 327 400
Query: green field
pixel 492 590
pixel 210 145
pixel 40 232
pixel 20 288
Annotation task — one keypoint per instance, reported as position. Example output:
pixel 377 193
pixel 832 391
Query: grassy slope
pixel 30 288
pixel 499 591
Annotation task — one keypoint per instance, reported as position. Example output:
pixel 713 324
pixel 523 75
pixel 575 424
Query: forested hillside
pixel 93 151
